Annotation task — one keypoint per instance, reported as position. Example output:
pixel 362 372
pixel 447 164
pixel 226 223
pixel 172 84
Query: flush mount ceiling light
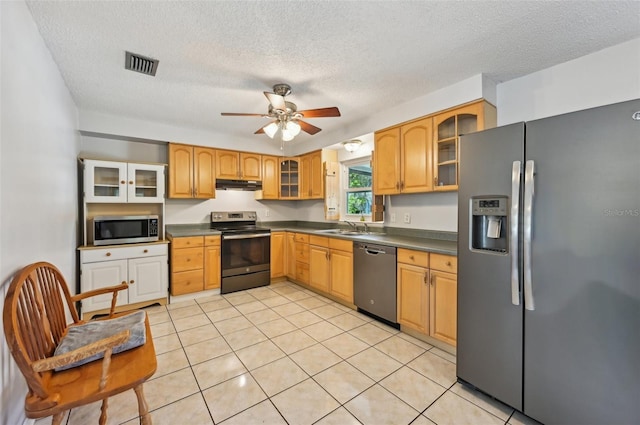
pixel 352 145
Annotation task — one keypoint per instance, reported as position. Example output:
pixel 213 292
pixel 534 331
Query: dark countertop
pixel 421 240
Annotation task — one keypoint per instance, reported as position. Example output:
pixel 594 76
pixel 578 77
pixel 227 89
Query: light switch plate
pixel 407 218
pixel 393 217
pixel 267 213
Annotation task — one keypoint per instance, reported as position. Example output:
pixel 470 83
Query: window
pixel 357 189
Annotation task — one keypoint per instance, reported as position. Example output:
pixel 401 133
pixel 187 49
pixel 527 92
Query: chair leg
pixel 57 418
pixel 103 411
pixel 143 409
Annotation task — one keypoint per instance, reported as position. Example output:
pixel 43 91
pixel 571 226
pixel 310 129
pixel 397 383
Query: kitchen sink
pixel 349 232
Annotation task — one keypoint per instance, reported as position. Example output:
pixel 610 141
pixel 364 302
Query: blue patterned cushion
pixel 87 333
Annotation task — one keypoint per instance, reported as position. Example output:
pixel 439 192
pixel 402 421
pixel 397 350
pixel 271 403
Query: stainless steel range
pixel 246 250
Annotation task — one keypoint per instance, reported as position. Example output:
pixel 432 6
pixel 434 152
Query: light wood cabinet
pixel 212 272
pixel 290 256
pixel 289 178
pixel 278 254
pixel 302 257
pixel 447 129
pixel 187 265
pixel 312 182
pixel 319 267
pixel 270 177
pixel 191 171
pixel 427 293
pixel 403 159
pixel 331 266
pixel 238 165
pixel 386 162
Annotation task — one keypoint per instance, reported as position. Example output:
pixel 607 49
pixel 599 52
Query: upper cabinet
pixel 238 165
pixel 312 176
pixel 270 177
pixel 448 127
pixel 422 155
pixel 121 182
pixel 289 178
pixel 191 171
pixel 403 158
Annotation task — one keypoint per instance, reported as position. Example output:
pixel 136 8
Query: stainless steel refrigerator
pixel 549 265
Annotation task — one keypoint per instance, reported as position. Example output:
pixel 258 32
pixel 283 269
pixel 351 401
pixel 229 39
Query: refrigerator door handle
pixel 516 172
pixel 529 191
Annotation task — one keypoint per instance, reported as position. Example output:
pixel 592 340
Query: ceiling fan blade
pixel 260 131
pixel 276 101
pixel 239 114
pixel 311 129
pixel 321 112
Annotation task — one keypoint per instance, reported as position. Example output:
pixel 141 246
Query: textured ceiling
pixel 361 56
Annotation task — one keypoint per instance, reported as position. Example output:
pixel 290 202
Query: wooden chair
pixel 34 324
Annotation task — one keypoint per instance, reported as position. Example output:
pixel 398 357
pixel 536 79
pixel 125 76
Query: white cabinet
pixel 121 182
pixel 143 267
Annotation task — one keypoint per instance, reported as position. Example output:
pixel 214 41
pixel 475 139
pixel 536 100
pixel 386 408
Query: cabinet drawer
pixel 187 282
pixel 302 272
pixel 302 253
pixel 187 259
pixel 446 263
pixel 301 237
pixel 319 241
pixel 121 253
pixel 341 244
pixel 190 242
pixel 416 258
pixel 211 240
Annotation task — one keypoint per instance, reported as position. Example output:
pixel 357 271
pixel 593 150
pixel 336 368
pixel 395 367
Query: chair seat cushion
pixel 80 335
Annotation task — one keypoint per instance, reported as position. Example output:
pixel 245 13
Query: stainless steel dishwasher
pixel 374 280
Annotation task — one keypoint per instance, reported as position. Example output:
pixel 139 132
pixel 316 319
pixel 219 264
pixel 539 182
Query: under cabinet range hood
pixel 248 185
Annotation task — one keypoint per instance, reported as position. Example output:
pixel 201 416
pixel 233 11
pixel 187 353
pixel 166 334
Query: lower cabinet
pixel 278 254
pixel 427 293
pixel 331 266
pixel 301 241
pixel 290 255
pixel 142 267
pixel 195 264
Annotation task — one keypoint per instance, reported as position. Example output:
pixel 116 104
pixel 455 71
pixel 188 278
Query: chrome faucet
pixel 366 228
pixel 351 225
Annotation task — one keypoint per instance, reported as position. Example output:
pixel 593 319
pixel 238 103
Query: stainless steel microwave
pixel 121 229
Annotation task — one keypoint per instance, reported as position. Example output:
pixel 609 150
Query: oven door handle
pixel 259 235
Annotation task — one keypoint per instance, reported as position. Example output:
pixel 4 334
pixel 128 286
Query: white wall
pixel 608 76
pixel 38 179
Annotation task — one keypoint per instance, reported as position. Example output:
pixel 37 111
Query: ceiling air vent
pixel 139 63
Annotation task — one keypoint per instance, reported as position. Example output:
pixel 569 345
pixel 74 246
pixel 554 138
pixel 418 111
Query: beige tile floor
pixel 285 355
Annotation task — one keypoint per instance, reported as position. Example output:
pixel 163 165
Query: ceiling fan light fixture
pixel 293 128
pixel 352 145
pixel 271 129
pixel 287 135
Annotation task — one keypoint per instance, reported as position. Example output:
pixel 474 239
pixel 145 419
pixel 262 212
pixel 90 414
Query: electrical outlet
pixel 393 217
pixel 267 213
pixel 407 218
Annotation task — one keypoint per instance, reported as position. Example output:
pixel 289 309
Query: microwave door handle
pixel 516 172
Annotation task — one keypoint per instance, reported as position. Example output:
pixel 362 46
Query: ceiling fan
pixel 287 120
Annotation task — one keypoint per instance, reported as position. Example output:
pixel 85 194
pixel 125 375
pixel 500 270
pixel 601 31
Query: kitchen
pixel 38 161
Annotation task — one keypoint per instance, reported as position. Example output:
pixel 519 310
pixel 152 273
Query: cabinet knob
pixel 145 251
pixel 449 263
pixel 122 182
pixel 131 282
pixel 130 181
pixel 425 278
pixel 124 282
pixel 412 258
pixel 108 254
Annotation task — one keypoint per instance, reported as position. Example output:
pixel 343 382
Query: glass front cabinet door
pixel 121 182
pixel 448 127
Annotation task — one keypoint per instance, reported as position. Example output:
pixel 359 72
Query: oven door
pixel 245 261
